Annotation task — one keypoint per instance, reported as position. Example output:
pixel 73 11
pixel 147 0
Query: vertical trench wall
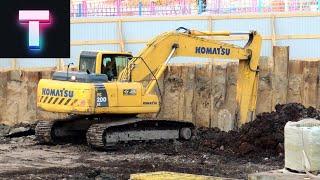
pixel 202 93
pixel 206 94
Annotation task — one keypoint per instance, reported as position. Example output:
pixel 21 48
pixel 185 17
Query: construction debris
pixel 20 131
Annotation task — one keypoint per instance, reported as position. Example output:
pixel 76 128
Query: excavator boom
pixel 191 43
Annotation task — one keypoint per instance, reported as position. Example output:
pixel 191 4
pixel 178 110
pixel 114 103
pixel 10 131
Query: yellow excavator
pixel 110 89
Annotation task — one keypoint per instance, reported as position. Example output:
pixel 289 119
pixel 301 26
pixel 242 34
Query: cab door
pixel 129 94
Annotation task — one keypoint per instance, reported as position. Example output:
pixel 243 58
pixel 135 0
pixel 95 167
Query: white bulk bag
pixel 302 145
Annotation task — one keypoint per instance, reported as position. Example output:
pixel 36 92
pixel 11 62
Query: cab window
pixel 121 62
pixel 108 67
pixel 87 63
pixel 112 65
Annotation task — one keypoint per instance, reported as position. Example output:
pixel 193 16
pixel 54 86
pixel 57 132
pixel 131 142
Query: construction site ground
pixel 23 158
pixel 256 147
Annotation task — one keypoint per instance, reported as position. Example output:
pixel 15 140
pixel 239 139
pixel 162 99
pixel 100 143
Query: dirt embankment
pixel 262 137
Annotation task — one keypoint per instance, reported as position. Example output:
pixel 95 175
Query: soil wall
pixel 202 93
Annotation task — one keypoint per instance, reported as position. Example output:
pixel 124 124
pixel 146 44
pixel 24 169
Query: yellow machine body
pixel 127 94
pixel 81 98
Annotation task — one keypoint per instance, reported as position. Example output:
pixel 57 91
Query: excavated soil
pixel 257 146
pixel 263 136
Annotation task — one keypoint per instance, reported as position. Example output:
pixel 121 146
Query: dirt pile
pixel 264 136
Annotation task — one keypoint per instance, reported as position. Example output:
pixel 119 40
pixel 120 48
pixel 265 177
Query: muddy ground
pixel 256 147
pixel 22 158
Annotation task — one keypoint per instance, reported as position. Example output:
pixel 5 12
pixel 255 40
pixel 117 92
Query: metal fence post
pixel 84 8
pixel 14 64
pixel 79 10
pixel 260 5
pixel 118 4
pixel 140 8
pixel 200 6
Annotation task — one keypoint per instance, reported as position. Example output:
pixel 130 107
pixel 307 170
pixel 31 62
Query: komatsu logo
pixel 209 50
pixel 57 92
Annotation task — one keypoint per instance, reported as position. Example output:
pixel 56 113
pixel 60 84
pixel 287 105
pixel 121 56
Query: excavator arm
pixel 153 59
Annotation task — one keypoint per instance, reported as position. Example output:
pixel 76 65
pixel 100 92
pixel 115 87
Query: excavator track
pixel 95 135
pixel 105 133
pixel 58 131
pixel 43 132
pixel 108 134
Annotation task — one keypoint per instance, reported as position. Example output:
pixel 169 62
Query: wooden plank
pixel 120 36
pixel 273 31
pixel 187 94
pixel 295 82
pixel 13 102
pixel 298 36
pixel 4 76
pixel 46 74
pixel 310 79
pixel 264 99
pixel 218 92
pixel 227 119
pixel 172 87
pixel 202 95
pixel 92 42
pixel 280 74
pixel 318 90
pixel 181 95
pixel 273 39
pixel 31 79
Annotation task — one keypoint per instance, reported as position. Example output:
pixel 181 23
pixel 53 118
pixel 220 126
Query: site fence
pixel 103 8
pixel 300 31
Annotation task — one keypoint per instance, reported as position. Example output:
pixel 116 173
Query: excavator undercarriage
pixel 106 132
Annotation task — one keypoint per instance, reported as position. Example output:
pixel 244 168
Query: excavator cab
pixel 108 63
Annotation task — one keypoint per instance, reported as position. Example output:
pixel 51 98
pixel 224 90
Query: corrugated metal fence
pixel 299 31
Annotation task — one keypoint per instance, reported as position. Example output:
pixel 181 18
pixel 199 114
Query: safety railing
pixel 102 8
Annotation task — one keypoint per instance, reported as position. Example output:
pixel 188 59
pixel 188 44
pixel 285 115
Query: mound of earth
pixel 264 135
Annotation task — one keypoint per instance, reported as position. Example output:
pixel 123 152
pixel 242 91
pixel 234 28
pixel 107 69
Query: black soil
pixel 256 146
pixel 256 140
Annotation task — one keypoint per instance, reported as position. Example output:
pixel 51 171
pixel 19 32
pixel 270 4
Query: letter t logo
pixel 34 18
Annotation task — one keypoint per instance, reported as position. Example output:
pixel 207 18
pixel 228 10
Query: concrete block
pixel 280 174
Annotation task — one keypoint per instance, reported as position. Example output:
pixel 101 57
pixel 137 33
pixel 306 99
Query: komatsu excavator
pixel 110 89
